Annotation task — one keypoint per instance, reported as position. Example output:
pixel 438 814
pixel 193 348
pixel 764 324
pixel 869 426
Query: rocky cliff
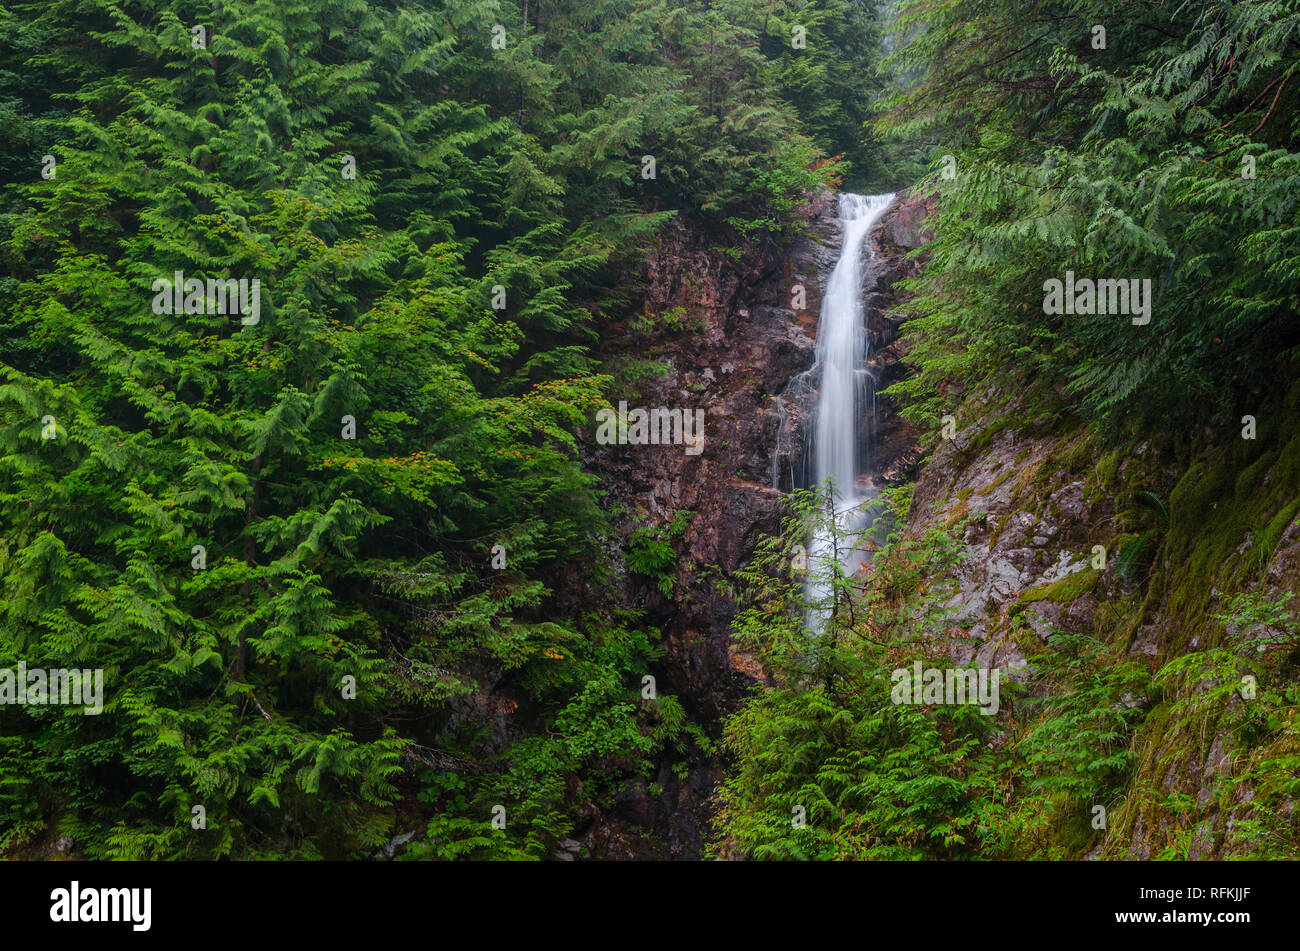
pixel 1179 553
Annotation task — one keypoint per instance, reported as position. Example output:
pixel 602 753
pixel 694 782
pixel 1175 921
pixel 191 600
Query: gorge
pixel 491 531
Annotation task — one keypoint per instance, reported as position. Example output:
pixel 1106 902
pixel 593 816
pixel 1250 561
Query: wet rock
pixel 1146 640
pixel 1044 618
pixel 746 341
pixel 906 226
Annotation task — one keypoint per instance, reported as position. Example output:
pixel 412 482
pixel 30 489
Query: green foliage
pixel 650 551
pixel 835 79
pixel 1085 703
pixel 1232 692
pixel 1268 619
pixel 1123 162
pixel 824 743
pixel 1135 554
pixel 792 175
pixel 600 734
pixel 1064 590
pixel 477 170
pixel 824 740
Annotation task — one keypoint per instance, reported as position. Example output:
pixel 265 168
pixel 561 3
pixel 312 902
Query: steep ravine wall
pixel 1030 494
pixel 1030 490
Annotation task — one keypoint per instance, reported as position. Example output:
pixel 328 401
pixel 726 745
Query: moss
pixel 1064 590
pixel 1139 470
pixel 1107 467
pixel 1032 477
pixel 1286 471
pixel 1123 819
pixel 1212 514
pixel 1077 456
pixel 1001 524
pixel 1234 491
pixel 964 494
pixel 1009 421
pixel 1245 487
pixel 1266 540
pixel 1115 621
pixel 960 511
pixel 1238 490
pixel 1007 473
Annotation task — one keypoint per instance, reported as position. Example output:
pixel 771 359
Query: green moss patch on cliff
pixel 1227 513
pixel 1064 590
pixel 1218 758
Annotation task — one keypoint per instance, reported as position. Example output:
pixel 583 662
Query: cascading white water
pixel 846 390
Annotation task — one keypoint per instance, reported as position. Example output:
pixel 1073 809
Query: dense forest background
pixel 298 546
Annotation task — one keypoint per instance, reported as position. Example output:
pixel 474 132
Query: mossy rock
pixel 1245 486
pixel 1077 456
pixel 1064 590
pixel 1216 507
pixel 1006 474
pixel 1107 467
pixel 1266 540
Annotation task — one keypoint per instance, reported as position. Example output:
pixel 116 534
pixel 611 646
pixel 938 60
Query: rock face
pixel 1043 506
pixel 896 236
pixel 1026 523
pixel 729 336
pixel 741 341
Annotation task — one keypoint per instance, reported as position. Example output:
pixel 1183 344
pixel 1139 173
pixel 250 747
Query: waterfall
pixel 847 391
